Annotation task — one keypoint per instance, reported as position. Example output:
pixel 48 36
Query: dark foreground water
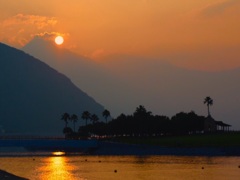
pixel 81 167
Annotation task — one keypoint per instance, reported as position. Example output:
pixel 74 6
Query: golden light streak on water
pixel 122 167
pixel 56 168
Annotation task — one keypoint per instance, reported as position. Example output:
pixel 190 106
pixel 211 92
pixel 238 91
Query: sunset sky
pixel 199 34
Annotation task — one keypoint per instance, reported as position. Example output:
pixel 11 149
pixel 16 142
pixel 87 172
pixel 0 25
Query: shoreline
pixel 35 148
pixel 4 175
pixel 108 148
pixel 113 148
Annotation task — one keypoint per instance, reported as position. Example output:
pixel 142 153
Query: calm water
pixel 127 167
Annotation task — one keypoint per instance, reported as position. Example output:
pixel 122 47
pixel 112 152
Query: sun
pixel 59 40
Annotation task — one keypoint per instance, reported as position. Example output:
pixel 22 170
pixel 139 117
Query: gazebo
pixel 221 126
pixel 211 125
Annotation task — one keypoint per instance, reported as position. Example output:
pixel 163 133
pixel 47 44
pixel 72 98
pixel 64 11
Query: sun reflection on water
pixel 56 168
pixel 122 167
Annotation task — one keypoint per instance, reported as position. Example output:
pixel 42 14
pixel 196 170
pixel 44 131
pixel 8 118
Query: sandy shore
pixel 7 176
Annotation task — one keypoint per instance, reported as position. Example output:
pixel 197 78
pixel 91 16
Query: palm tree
pixel 208 100
pixel 106 114
pixel 65 117
pixel 74 119
pixel 86 115
pixel 94 118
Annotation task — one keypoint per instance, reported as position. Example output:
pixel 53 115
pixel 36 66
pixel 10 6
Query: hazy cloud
pixel 33 20
pixel 47 35
pixel 218 8
pixel 98 54
pixel 18 29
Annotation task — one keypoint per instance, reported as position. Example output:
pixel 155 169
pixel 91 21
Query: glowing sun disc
pixel 59 40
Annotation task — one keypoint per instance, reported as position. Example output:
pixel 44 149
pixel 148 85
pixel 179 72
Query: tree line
pixel 141 123
pixel 86 115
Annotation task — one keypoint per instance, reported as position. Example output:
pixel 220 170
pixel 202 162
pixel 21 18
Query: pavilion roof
pixel 220 123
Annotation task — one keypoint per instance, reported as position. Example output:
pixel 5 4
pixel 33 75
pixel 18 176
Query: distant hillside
pixel 161 87
pixel 91 77
pixel 33 96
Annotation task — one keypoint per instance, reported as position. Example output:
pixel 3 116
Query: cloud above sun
pixel 25 19
pixel 50 35
pixel 19 29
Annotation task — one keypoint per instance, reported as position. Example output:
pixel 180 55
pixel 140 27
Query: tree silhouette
pixel 67 131
pixel 74 119
pixel 106 114
pixel 141 111
pixel 86 115
pixel 65 117
pixel 208 100
pixel 94 118
pixel 141 118
pixel 186 123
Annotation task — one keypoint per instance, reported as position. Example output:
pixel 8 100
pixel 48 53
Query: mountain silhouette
pixel 88 75
pixel 33 96
pixel 124 82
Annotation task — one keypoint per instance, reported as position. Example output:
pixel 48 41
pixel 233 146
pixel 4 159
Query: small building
pixel 221 126
pixel 210 125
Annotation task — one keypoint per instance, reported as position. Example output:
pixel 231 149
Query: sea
pixel 61 166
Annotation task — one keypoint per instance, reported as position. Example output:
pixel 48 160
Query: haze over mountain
pixel 92 78
pixel 33 96
pixel 161 87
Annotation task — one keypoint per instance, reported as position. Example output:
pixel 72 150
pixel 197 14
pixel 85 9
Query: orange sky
pixel 201 34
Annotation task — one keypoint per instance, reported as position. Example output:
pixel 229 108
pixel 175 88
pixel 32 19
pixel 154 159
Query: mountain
pixel 123 82
pixel 91 77
pixel 33 96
